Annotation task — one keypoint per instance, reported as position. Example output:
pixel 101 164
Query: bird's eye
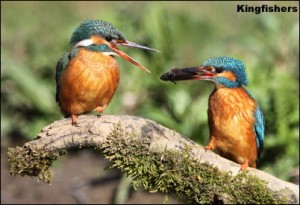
pixel 219 70
pixel 109 38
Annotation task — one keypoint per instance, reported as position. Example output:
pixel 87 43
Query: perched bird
pixel 87 76
pixel 236 122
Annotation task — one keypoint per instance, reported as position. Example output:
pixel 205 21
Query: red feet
pixel 208 147
pixel 244 166
pixel 74 120
pixel 100 109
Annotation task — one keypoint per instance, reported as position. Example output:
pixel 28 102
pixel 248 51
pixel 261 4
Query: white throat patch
pixel 85 43
pixel 110 54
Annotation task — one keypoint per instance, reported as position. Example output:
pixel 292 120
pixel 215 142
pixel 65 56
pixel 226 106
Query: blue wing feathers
pixel 259 130
pixel 61 66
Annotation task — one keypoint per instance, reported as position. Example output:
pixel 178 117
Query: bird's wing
pixel 259 130
pixel 62 65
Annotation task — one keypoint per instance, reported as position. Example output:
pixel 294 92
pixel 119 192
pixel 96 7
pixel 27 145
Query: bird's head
pixel 102 36
pixel 222 70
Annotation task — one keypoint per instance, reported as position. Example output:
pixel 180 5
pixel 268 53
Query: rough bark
pixel 92 132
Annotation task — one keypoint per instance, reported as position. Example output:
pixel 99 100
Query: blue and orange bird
pixel 236 122
pixel 87 76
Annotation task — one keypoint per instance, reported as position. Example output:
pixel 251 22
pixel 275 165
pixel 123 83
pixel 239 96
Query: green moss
pixel 176 172
pixel 31 162
pixel 166 172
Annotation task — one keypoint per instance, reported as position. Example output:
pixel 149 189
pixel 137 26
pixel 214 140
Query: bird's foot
pixel 208 147
pixel 100 109
pixel 102 118
pixel 74 120
pixel 244 166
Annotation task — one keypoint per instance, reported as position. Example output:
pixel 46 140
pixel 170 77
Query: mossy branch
pixel 155 157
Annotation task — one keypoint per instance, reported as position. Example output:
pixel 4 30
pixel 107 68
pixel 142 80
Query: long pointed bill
pixel 128 58
pixel 193 73
pixel 135 45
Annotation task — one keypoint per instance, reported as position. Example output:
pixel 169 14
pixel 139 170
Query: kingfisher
pixel 87 76
pixel 236 122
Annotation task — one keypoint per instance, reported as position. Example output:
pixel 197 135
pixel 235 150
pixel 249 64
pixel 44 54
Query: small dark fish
pixel 177 74
pixel 169 76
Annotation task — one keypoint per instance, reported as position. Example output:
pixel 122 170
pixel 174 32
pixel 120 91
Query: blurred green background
pixel 34 35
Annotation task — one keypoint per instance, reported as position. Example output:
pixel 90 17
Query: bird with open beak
pixel 87 76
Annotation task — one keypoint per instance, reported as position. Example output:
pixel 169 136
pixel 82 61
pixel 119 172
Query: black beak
pixel 193 73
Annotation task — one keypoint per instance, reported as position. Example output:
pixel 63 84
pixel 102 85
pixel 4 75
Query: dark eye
pixel 219 70
pixel 109 38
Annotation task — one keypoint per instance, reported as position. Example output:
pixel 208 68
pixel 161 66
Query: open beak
pixel 128 58
pixel 193 73
pixel 135 45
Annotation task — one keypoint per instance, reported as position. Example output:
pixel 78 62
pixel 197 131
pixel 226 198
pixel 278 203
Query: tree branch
pixel 145 138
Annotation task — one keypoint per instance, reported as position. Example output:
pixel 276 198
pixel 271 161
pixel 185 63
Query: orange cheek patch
pixel 98 40
pixel 229 75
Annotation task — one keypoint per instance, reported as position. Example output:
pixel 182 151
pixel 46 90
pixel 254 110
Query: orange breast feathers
pixel 88 83
pixel 231 123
